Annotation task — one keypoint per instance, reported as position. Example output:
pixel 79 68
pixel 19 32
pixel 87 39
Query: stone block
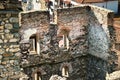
pixel 8 26
pixel 2 6
pixel 1 31
pixel 12 61
pixel 0 57
pixel 8 15
pixel 1 66
pixel 1 27
pixel 7 54
pixel 14 50
pixel 16 26
pixel 5 40
pixel 7 49
pixel 16 35
pixel 2 36
pixel 2 51
pixel 8 36
pixel 7 21
pixel 4 19
pixel 2 23
pixel 14 46
pixel 13 40
pixel 14 20
pixel 14 30
pixel 0 46
pixel 6 46
pixel 1 41
pixel 4 62
pixel 6 30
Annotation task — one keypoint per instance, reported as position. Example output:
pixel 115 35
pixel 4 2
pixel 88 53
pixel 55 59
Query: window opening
pixel 38 76
pixel 35 44
pixel 65 71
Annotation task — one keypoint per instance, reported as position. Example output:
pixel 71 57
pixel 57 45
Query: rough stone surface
pixel 14 20
pixel 8 26
pixel 8 49
pixel 85 54
pixel 89 43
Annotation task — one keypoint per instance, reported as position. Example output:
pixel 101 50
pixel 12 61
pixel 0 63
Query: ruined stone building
pixel 76 47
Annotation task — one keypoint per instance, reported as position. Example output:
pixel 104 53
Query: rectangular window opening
pixel 35 44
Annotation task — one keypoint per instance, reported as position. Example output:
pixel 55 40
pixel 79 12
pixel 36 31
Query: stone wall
pixel 81 41
pixel 10 5
pixel 9 44
pixel 88 43
pixel 98 32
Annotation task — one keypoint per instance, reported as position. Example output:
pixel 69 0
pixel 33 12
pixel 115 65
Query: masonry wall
pixel 89 42
pixel 86 28
pixel 9 44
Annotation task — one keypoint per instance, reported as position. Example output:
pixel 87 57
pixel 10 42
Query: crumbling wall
pixel 88 42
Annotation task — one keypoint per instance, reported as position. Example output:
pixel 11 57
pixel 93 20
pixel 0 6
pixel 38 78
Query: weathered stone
pixel 81 66
pixel 5 40
pixel 7 54
pixel 2 51
pixel 12 62
pixel 14 50
pixel 6 46
pixel 3 62
pixel 6 30
pixel 14 46
pixel 18 54
pixel 8 36
pixel 13 40
pixel 8 15
pixel 8 26
pixel 16 26
pixel 14 20
pixel 1 41
pixel 3 15
pixel 2 23
pixel 1 66
pixel 2 36
pixel 2 6
pixel 0 46
pixel 14 30
pixel 1 31
pixel 16 35
pixel 7 49
pixel 0 57
pixel 1 27
pixel 6 21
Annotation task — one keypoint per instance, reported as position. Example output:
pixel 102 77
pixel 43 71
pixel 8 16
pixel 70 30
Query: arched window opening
pixel 65 71
pixel 37 76
pixel 34 44
pixel 64 43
